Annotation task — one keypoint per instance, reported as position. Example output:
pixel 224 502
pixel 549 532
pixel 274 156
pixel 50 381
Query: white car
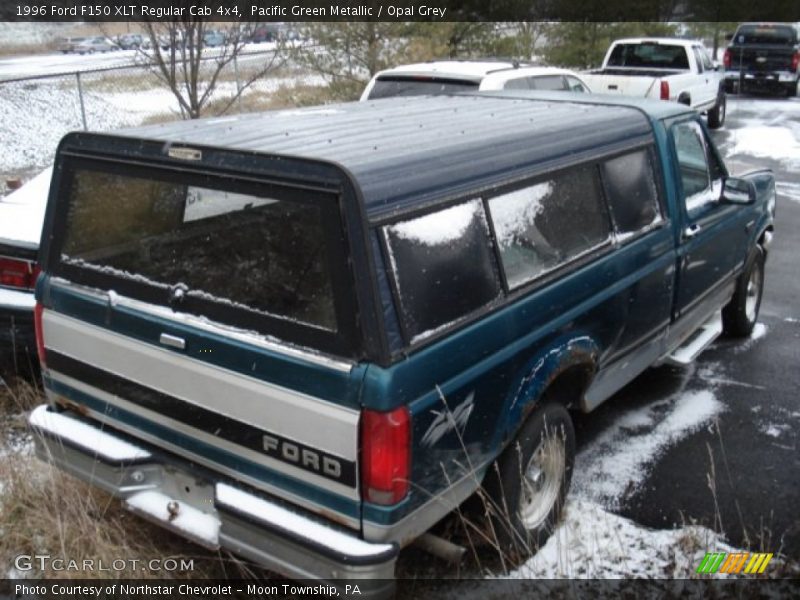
pixel 21 217
pixel 451 76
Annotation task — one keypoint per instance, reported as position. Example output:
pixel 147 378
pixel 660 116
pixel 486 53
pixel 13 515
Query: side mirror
pixel 738 191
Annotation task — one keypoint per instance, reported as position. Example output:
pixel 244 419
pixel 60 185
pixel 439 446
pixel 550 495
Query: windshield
pixel 389 86
pixel 648 56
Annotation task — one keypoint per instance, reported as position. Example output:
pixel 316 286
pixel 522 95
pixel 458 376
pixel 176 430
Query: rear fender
pixel 538 373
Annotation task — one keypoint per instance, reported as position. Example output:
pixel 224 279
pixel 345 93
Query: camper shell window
pixel 262 257
pixel 443 267
pixel 544 225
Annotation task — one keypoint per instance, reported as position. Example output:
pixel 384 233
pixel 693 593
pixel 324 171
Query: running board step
pixel 700 339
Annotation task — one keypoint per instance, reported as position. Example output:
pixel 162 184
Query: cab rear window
pixel 779 35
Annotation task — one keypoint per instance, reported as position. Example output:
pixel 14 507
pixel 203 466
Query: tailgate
pixel 623 85
pixel 211 316
pixel 762 58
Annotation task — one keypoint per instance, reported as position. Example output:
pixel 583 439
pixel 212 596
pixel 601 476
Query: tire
pixel 740 315
pixel 791 90
pixel 716 116
pixel 542 455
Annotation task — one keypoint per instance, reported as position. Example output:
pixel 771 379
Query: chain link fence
pixel 36 112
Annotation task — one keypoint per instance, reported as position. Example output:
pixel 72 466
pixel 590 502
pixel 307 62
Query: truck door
pixel 713 234
pixel 708 86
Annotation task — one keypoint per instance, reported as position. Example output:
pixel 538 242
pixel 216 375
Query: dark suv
pixel 764 56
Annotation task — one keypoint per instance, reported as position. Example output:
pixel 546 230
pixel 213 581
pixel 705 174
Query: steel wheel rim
pixel 541 482
pixel 753 291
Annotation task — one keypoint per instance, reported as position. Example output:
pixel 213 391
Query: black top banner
pixel 400 10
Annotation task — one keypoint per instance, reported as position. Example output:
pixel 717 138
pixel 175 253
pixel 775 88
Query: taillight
pixel 18 273
pixel 37 322
pixel 795 60
pixel 726 58
pixel 385 455
pixel 664 90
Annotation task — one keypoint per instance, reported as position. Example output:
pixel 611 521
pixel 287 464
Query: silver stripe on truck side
pixel 254 339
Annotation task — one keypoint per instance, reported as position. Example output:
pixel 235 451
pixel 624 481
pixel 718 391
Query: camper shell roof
pixel 404 153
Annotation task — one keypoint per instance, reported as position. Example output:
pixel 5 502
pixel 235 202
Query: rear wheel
pixel 530 481
pixel 741 313
pixel 716 116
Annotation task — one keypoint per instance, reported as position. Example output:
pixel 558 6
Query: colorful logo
pixel 722 562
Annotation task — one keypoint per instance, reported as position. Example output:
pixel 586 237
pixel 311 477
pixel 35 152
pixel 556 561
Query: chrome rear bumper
pixel 214 514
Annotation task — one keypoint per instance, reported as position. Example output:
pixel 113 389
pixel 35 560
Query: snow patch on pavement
pixel 775 430
pixel 616 464
pixel 16 444
pixel 759 331
pixel 779 143
pixel 594 543
pixel 788 190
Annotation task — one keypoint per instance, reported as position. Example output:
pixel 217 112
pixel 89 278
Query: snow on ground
pixel 775 430
pixel 788 190
pixel 759 331
pixel 613 466
pixel 775 134
pixel 594 543
pixel 38 113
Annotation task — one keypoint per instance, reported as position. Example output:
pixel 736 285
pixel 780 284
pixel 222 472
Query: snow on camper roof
pixel 411 150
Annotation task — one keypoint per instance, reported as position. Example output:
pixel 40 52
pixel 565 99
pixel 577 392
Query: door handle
pixel 691 231
pixel 172 341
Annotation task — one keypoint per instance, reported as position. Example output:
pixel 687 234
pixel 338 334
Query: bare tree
pixel 180 55
pixel 346 55
pixel 527 36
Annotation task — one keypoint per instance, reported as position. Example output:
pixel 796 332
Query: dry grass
pixel 46 512
pixel 18 395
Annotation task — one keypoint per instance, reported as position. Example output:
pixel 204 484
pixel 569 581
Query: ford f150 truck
pixel 764 56
pixel 663 68
pixel 307 336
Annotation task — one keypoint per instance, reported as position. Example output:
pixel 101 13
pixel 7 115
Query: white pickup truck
pixel 663 68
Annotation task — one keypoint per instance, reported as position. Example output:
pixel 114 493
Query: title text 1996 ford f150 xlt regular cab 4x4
pixel 306 336
pixel 665 69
